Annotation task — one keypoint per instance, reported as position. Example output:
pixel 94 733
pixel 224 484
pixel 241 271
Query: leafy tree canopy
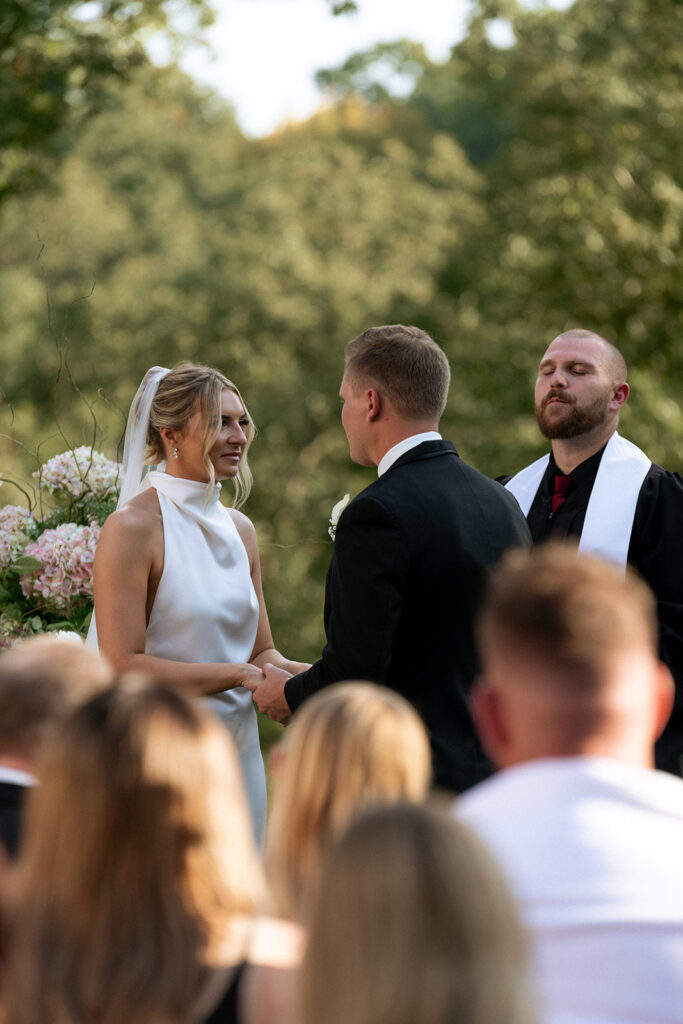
pixel 56 57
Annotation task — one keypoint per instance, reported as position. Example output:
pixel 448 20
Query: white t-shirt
pixel 593 851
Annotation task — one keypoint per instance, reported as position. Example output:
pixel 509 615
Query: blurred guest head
pixel 351 745
pixel 41 681
pixel 414 925
pixel 569 653
pixel 138 857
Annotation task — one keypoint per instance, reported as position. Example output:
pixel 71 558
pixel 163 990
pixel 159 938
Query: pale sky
pixel 267 51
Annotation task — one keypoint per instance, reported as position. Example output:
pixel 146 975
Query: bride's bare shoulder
pixel 246 530
pixel 137 520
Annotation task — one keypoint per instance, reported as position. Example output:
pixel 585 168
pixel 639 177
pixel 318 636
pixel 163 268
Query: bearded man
pixel 602 489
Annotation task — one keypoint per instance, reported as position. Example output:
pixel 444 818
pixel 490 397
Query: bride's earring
pixel 175 453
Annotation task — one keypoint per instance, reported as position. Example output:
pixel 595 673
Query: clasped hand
pixel 269 695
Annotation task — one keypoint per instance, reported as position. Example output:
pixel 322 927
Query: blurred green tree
pixel 56 58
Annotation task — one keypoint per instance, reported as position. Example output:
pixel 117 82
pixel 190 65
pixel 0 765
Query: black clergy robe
pixel 655 550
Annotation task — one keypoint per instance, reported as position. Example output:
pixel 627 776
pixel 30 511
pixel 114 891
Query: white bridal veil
pixel 134 469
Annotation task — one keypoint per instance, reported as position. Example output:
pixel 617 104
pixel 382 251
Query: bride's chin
pixel 226 474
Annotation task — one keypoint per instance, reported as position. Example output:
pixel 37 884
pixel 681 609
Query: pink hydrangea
pixel 15 523
pixel 66 554
pixel 80 470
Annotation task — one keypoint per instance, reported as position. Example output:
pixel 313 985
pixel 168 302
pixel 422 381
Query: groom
pixel 411 552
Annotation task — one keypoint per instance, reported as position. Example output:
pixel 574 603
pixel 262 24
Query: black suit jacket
pixel 11 801
pixel 405 580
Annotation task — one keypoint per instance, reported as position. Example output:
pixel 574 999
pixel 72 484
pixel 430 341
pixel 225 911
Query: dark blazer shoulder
pixel 426 450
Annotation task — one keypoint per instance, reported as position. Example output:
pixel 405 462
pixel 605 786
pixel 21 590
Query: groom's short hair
pixel 406 364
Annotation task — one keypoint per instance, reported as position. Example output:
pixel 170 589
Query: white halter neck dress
pixel 206 609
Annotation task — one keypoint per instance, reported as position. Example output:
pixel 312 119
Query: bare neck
pixel 570 452
pixel 392 434
pixel 629 746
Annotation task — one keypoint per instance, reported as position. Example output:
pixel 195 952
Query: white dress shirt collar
pixel 390 457
pixel 16 777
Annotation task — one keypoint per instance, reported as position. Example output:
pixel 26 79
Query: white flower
pixel 78 471
pixel 15 525
pixel 336 512
pixel 67 634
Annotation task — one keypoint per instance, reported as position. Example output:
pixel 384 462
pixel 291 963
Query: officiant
pixel 601 488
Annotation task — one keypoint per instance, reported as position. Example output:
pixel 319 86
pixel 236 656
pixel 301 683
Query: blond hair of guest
pixel 138 862
pixel 414 925
pixel 351 745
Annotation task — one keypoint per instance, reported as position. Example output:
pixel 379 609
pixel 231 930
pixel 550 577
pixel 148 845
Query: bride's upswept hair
pixel 185 389
pixel 137 862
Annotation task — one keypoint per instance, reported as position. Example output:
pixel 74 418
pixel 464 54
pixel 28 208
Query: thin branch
pixel 29 501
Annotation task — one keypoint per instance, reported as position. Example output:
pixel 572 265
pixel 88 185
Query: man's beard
pixel 575 420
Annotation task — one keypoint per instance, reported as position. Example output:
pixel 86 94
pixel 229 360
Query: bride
pixel 177 577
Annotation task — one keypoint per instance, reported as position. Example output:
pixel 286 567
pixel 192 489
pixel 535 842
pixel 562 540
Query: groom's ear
pixel 374 402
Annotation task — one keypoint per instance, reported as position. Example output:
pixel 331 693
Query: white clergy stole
pixel 612 503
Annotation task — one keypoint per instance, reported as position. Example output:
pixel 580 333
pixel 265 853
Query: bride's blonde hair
pixel 184 390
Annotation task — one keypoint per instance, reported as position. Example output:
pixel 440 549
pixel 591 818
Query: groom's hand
pixel 269 696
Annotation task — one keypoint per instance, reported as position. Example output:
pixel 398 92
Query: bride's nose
pixel 237 435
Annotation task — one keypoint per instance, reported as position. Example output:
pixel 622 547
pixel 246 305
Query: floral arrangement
pixel 46 559
pixel 78 473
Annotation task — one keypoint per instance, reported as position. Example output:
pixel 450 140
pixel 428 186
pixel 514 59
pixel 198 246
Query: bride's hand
pixel 231 674
pixel 250 676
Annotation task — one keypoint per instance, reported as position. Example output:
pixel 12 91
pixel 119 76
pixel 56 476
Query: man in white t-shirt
pixel 590 836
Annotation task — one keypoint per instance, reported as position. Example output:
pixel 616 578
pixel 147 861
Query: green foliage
pixel 56 59
pixel 377 74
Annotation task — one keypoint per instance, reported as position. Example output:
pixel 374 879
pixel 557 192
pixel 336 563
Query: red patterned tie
pixel 562 487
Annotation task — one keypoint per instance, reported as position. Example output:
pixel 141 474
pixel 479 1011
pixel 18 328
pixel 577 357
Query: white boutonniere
pixel 336 512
